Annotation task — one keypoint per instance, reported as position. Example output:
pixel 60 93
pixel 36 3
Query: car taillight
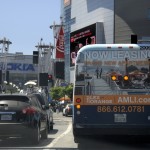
pixel 28 110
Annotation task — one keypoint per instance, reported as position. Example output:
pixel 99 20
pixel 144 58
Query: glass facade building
pixel 116 24
pixel 67 30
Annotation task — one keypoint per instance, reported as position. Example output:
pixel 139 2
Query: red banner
pixel 60 44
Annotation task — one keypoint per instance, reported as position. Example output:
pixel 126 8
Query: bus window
pixel 79 90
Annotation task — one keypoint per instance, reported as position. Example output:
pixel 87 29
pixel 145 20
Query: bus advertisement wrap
pixel 112 83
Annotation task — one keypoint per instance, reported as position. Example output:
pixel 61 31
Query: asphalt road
pixel 61 138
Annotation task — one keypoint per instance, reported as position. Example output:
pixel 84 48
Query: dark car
pixel 67 111
pixel 45 104
pixel 22 116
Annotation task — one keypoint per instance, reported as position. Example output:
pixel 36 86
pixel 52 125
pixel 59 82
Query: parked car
pixel 45 104
pixel 67 111
pixel 22 116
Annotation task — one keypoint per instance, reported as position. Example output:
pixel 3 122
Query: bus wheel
pixel 77 137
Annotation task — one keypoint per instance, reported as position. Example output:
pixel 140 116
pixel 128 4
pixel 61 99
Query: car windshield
pixel 70 105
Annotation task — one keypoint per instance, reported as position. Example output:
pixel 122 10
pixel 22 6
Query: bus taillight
pixel 78 106
pixel 78 100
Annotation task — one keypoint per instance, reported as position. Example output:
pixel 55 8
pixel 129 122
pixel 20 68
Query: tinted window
pixel 14 97
pixel 38 103
pixel 45 99
pixel 34 101
pixel 40 98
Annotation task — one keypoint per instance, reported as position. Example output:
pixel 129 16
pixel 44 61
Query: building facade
pixel 67 29
pixel 136 20
pixel 118 19
pixel 21 68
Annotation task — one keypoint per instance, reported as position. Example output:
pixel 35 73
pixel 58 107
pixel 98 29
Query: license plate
pixel 120 118
pixel 6 117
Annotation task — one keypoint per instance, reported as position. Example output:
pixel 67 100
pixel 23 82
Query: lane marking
pixel 63 134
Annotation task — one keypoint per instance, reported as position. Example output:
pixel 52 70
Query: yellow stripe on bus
pixel 113 99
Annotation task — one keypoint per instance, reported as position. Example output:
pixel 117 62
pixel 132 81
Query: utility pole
pixel 44 60
pixel 56 29
pixel 4 51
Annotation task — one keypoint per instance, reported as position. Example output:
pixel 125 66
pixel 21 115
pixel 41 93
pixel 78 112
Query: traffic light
pixel 50 78
pixel 43 79
pixel 35 57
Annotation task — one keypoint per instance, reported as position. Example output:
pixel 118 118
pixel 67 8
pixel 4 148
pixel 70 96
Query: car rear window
pixel 14 98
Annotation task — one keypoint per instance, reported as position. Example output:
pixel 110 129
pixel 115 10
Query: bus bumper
pixel 111 129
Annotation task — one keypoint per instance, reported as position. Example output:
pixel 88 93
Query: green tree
pixel 55 92
pixel 58 92
pixel 69 90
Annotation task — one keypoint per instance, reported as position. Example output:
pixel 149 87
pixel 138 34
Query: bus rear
pixel 112 90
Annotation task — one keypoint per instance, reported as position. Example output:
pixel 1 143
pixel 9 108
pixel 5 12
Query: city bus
pixel 111 93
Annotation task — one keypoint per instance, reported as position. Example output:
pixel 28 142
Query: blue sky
pixel 25 22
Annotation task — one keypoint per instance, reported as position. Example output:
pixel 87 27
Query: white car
pixel 67 111
pixel 63 112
